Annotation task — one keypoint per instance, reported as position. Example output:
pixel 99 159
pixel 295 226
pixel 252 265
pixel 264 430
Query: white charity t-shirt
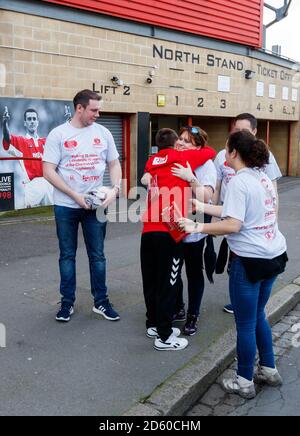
pixel 207 176
pixel 81 155
pixel 251 199
pixel 225 173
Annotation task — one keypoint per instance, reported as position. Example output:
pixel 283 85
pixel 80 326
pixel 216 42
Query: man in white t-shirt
pixel 75 157
pixel 225 173
pixel 243 121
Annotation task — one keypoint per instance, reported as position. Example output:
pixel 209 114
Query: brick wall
pixel 53 59
pixel 32 72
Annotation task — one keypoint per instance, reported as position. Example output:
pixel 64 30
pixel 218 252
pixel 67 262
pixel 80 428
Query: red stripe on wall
pixel 238 21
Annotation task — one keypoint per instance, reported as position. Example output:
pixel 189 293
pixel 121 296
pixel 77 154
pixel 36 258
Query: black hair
pixel 83 97
pixel 253 152
pixel 30 110
pixel 196 135
pixel 245 116
pixel 166 138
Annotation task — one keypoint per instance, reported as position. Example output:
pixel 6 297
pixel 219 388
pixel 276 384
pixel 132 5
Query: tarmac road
pixel 91 366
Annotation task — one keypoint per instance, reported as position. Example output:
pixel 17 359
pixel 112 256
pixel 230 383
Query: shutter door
pixel 114 124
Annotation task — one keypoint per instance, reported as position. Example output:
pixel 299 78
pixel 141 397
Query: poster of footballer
pixel 25 124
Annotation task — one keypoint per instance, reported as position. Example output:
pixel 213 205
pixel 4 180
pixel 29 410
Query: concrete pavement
pixel 269 401
pixel 91 366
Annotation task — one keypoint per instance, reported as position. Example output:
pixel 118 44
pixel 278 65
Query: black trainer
pixel 65 312
pixel 105 309
pixel 179 315
pixel 190 326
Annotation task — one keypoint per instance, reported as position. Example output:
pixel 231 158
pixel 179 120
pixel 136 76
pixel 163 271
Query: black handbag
pixel 264 269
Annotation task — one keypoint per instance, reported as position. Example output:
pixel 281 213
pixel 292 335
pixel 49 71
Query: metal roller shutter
pixel 114 124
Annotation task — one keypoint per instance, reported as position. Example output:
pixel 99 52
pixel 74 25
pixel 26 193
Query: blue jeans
pixel 253 330
pixel 67 223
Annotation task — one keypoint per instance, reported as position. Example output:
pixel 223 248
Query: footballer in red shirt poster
pixel 24 128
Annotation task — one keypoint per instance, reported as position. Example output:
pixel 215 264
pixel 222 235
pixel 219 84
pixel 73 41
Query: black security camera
pixel 149 80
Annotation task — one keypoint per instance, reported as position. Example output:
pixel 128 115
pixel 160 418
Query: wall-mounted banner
pixel 24 128
pixel 7 197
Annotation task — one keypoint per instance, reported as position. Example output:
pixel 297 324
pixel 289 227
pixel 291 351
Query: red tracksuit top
pixel 160 165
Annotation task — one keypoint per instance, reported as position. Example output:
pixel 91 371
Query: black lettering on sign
pixel 168 54
pixel 195 59
pixel 109 89
pixel 210 60
pixel 126 90
pixel 200 102
pixel 267 72
pixel 223 104
pixel 228 64
pixel 94 88
pixel 158 52
pixel 271 108
pixel 286 111
pixel 258 107
pixel 177 55
pixel 177 100
pixel 285 76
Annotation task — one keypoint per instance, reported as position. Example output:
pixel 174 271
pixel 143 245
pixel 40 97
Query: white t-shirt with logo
pixel 81 155
pixel 207 176
pixel 225 173
pixel 251 199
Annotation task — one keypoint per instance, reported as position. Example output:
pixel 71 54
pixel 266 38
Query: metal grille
pixel 114 124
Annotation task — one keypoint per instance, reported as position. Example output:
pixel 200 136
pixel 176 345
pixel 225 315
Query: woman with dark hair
pixel 258 255
pixel 203 182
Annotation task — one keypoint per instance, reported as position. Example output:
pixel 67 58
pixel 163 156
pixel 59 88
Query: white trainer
pixel 239 385
pixel 267 375
pixel 152 332
pixel 173 343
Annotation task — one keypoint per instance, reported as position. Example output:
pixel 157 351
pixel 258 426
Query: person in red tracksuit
pixel 161 248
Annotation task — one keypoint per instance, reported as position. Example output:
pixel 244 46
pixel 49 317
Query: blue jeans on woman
pixel 67 223
pixel 253 330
